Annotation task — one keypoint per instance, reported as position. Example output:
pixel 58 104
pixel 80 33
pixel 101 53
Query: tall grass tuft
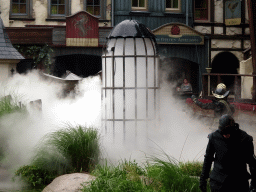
pixel 193 168
pixel 127 176
pixel 72 149
pixel 157 175
pixel 8 105
pixel 171 177
pixel 69 150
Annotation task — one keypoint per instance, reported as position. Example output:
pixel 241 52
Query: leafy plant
pixel 34 176
pixel 37 53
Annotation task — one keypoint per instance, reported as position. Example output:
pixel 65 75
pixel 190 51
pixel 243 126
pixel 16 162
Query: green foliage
pixel 169 175
pixel 69 150
pixel 8 104
pixel 37 53
pixel 124 177
pixel 191 168
pixel 129 176
pixel 34 176
pixel 77 145
pixel 72 149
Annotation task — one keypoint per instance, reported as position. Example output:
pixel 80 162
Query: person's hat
pixel 221 91
pixel 227 124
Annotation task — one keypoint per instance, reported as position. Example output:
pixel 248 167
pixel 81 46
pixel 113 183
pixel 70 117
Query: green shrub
pixel 34 176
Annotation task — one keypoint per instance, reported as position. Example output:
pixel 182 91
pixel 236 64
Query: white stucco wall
pixel 5 6
pixel 225 43
pixel 233 31
pixel 247 44
pixel 3 72
pixel 76 6
pixel 246 82
pixel 218 30
pixel 203 29
pixel 5 69
pixel 218 11
pixel 218 18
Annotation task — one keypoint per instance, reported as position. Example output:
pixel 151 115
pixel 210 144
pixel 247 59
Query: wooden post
pixel 252 22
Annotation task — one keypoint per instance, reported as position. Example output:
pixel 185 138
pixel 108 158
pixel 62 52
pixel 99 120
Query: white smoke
pixel 179 134
pixel 21 132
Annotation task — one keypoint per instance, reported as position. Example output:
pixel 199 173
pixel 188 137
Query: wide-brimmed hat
pixel 221 91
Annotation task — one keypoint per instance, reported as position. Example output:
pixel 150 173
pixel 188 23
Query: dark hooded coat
pixel 230 157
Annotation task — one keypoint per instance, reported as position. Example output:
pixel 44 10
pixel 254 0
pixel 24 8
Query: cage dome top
pixel 131 28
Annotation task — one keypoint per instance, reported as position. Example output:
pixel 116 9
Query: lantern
pixel 129 80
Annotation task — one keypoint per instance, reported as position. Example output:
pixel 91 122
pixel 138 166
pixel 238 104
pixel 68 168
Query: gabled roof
pixel 7 51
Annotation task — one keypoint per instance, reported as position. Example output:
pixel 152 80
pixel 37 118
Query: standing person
pixel 219 104
pixel 186 86
pixel 231 149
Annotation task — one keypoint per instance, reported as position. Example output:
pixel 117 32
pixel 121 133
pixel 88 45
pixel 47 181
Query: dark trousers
pixel 230 184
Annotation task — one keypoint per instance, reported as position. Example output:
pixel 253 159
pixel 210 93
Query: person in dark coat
pixel 219 104
pixel 230 149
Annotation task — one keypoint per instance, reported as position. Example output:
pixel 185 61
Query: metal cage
pixel 129 80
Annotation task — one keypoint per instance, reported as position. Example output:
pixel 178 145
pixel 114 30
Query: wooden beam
pixel 251 4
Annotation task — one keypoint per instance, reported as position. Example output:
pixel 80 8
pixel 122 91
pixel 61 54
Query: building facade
pixel 61 34
pixel 194 35
pixel 226 23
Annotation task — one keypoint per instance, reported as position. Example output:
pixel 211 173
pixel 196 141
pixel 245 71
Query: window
pixel 20 9
pixel 139 4
pixel 173 5
pixel 58 9
pixel 93 7
pixel 201 10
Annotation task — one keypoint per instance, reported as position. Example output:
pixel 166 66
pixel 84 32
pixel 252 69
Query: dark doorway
pixel 225 63
pixel 25 65
pixel 80 64
pixel 180 69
